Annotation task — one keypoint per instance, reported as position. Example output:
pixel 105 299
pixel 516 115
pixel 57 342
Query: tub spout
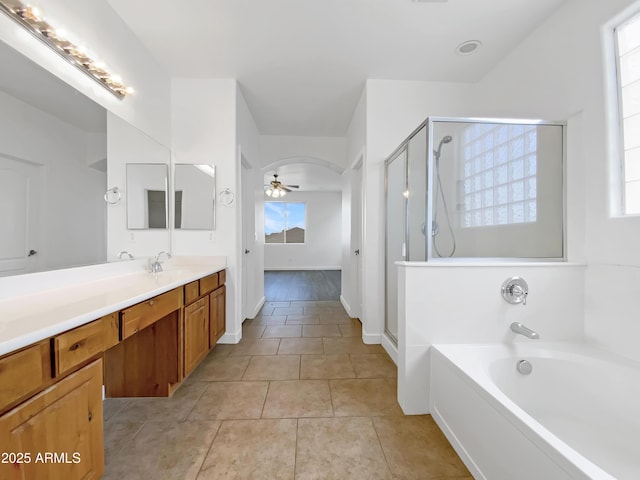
pixel 517 327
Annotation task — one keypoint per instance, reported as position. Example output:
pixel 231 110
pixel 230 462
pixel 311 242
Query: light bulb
pixel 130 90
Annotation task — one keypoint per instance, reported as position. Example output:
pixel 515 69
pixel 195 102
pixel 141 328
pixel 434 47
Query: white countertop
pixel 45 304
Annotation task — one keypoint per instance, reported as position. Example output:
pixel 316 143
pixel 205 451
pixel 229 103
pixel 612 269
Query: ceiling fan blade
pixel 285 189
pixel 292 186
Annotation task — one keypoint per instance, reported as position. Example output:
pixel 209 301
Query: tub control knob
pixel 515 290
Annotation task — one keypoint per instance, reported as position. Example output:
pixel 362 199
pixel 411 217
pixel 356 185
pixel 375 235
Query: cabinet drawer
pixel 142 315
pixel 208 284
pixel 24 372
pixel 191 292
pixel 222 277
pixel 75 346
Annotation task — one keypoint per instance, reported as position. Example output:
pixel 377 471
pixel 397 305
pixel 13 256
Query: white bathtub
pixel 577 415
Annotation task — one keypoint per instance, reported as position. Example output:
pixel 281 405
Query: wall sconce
pixel 31 19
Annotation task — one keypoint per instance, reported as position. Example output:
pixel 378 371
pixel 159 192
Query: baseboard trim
pixel 258 307
pixel 346 306
pixel 231 338
pixel 371 338
pixel 284 269
pixel 390 348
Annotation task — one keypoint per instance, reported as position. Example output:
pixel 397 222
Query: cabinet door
pixel 218 315
pixel 57 434
pixel 196 333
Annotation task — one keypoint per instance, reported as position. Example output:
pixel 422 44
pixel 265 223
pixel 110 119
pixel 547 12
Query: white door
pixel 356 238
pixel 248 234
pixel 20 190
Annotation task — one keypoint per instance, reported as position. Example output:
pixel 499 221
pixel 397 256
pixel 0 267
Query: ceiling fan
pixel 277 188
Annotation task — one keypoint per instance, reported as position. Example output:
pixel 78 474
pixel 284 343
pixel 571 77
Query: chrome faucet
pixel 155 265
pixel 123 253
pixel 517 327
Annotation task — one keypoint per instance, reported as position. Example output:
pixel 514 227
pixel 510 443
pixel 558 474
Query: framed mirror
pixel 194 189
pixel 147 196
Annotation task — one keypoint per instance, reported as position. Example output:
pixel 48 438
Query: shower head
pixel 445 139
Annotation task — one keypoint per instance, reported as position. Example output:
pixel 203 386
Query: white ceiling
pixel 302 64
pixel 23 79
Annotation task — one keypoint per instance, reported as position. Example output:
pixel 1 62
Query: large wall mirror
pixel 53 171
pixel 57 147
pixel 194 197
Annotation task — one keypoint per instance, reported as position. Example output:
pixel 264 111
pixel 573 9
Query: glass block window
pixel 627 36
pixel 499 165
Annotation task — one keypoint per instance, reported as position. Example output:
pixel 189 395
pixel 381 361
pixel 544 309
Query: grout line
pixel 204 457
pixel 384 455
pixel 265 400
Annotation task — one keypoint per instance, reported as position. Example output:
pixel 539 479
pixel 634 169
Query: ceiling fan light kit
pixel 277 189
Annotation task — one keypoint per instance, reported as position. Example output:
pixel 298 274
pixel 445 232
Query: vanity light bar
pixel 32 20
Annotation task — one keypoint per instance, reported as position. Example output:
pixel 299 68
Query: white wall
pixel 203 125
pixel 322 248
pixel 72 228
pixel 101 30
pixel 462 304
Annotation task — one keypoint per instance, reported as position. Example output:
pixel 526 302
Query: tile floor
pixel 300 397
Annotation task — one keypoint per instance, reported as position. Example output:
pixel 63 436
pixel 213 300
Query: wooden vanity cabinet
pixel 217 315
pixel 196 333
pixel 57 434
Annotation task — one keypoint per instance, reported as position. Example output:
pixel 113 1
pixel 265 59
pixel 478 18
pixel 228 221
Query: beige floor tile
pixel 350 330
pixel 252 449
pixel 364 397
pixel 298 398
pixel 256 346
pixel 276 304
pixel 349 345
pixel 116 436
pixel 339 448
pixel 166 450
pixel 231 400
pixel 326 367
pixel 284 331
pixel 325 310
pixel 297 346
pixel 316 303
pixel 221 350
pixel 303 319
pixel 321 331
pixel 176 407
pixel 252 331
pixel 272 320
pixel 288 311
pixel 334 319
pixel 415 448
pixel 223 369
pixel 377 365
pixel 111 406
pixel 266 310
pixel 273 367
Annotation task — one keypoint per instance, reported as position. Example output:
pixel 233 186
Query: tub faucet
pixel 517 327
pixel 124 253
pixel 155 265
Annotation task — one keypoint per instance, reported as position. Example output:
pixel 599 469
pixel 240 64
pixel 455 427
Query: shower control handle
pixel 515 291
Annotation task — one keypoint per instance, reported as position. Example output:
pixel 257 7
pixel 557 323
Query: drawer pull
pixel 75 346
pixel 151 302
pixel 90 416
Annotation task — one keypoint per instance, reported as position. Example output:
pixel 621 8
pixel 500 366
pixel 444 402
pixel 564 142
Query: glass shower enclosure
pixel 465 188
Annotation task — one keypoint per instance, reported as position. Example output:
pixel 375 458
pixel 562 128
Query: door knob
pixel 32 252
pixel 247 251
pixel 357 252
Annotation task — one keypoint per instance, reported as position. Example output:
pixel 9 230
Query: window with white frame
pixel 499 165
pixel 627 40
pixel 284 222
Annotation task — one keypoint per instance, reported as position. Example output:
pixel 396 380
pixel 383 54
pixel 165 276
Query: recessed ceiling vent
pixel 468 47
